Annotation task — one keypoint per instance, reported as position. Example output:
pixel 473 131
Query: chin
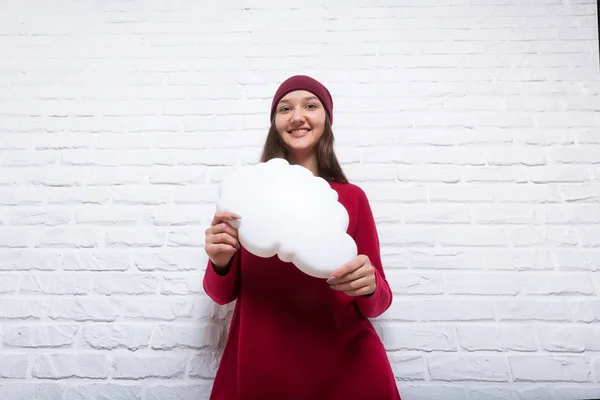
pixel 301 149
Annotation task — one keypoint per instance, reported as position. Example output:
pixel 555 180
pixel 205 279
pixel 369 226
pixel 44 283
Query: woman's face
pixel 300 120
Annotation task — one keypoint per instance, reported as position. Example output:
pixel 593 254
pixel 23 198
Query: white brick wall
pixel 474 126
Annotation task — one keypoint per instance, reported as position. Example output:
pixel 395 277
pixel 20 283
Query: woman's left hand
pixel 356 278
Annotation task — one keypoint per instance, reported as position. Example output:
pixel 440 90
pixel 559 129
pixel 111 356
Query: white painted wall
pixel 474 126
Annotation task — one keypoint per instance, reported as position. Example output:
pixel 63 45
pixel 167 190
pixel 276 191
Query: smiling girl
pixel 294 336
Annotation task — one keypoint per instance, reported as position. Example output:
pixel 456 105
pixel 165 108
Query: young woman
pixel 293 336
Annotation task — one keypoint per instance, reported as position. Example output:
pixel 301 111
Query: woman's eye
pixel 284 109
pixel 312 106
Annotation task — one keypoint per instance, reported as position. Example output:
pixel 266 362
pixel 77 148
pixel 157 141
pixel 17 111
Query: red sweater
pixel 292 336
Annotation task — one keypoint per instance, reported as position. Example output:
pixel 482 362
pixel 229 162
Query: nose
pixel 298 115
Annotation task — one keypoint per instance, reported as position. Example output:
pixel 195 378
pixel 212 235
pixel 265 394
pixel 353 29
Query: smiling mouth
pixel 297 132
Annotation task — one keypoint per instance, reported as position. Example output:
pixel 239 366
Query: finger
pixel 353 285
pixel 347 268
pixel 223 227
pixel 223 238
pixel 224 216
pixel 343 270
pixel 214 248
pixel 352 276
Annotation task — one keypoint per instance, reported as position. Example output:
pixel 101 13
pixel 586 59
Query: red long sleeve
pixel 292 336
pixel 367 241
pixel 223 289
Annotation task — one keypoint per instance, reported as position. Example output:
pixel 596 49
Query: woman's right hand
pixel 221 241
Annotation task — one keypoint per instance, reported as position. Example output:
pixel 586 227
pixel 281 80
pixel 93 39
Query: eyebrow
pixel 304 98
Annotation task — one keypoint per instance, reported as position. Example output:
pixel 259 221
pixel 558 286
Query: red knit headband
pixel 303 82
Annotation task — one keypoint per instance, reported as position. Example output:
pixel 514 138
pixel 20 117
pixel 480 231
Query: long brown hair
pixel 328 165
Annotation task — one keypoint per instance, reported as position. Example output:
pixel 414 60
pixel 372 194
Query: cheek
pixel 280 125
pixel 319 128
pixel 318 122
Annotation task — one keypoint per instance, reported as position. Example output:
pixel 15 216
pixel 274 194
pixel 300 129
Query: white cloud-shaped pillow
pixel 288 211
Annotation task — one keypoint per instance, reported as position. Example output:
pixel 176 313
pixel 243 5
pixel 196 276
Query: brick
pixel 167 309
pixel 169 337
pixel 468 368
pixel 408 367
pixel 545 136
pixel 568 339
pixel 103 336
pixel 32 336
pixel 576 259
pixel 404 282
pixel 459 193
pixel 68 237
pixel 14 366
pixel 590 237
pixel 371 172
pixel 469 283
pixel 517 259
pixel 552 236
pixel 449 391
pixel 576 154
pixel 444 259
pixel 90 157
pixel 15 238
pixel 455 310
pixel 30 159
pixel 56 284
pixel 472 236
pixel 496 338
pixel 205 364
pixel 106 215
pixel 142 195
pixel 181 284
pixel 23 196
pixel 436 214
pixel 148 366
pixel 9 283
pixel 500 174
pixel 30 390
pixel 586 310
pixel 401 310
pixel 84 309
pixel 78 195
pixel 101 260
pixel 394 192
pixel 558 174
pixel 428 173
pixel 396 235
pixel 16 308
pixel 37 216
pixel 533 310
pixel 186 237
pixel 54 176
pixel 557 284
pixel 515 155
pixel 135 237
pixel 506 214
pixel 422 338
pixel 179 391
pixel 107 176
pixel 546 368
pixel 60 366
pixel 104 391
pixel 519 193
pixel 170 259
pixel 125 283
